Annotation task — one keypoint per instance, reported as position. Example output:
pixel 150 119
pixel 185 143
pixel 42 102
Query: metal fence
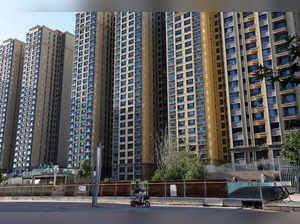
pixel 155 189
pixel 291 173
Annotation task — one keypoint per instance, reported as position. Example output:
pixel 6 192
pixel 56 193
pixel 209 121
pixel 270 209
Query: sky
pixel 15 24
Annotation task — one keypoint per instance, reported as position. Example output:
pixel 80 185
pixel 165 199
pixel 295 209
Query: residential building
pixel 139 95
pixel 45 65
pixel 91 96
pixel 11 66
pixel 259 113
pixel 196 102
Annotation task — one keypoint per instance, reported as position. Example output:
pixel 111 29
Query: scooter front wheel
pixel 132 204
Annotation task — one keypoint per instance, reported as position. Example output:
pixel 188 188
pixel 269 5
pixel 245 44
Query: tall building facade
pixel 259 113
pixel 160 84
pixel 139 100
pixel 196 111
pixel 11 67
pixel 39 111
pixel 91 96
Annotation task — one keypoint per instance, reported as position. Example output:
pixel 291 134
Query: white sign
pixel 82 188
pixel 173 190
pixel 283 184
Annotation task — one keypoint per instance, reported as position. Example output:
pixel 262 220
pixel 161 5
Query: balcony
pixel 275 131
pixel 256 97
pixel 252 50
pixel 232 78
pixel 285 91
pixel 236 112
pixel 236 124
pixel 265 45
pixel 230 56
pixel 255 85
pixel 279 29
pixel 260 135
pixel 234 89
pixel 227 14
pixel 237 136
pixel 274 119
pixel 235 100
pixel 253 62
pixel 249 18
pixel 264 33
pixel 288 104
pixel 257 109
pixel 278 18
pixel 251 40
pixel 231 67
pixel 263 22
pixel 289 117
pixel 228 24
pixel 230 45
pixel 229 34
pixel 259 122
pixel 267 57
pixel 283 66
pixel 249 29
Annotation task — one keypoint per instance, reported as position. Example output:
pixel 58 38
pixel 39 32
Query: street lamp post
pixel 98 175
pixel 55 169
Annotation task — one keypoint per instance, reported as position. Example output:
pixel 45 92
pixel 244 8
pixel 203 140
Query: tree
pixel 85 169
pixel 292 76
pixel 173 164
pixel 291 147
pixel 2 177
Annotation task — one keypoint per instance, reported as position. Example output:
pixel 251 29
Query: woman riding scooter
pixel 138 192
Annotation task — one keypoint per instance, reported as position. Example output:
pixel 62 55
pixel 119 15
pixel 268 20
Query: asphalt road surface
pixel 82 213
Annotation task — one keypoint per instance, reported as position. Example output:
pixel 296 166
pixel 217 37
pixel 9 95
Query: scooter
pixel 137 203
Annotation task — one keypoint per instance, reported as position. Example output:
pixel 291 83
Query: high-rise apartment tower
pixel 196 101
pixel 45 65
pixel 91 96
pixel 11 66
pixel 259 113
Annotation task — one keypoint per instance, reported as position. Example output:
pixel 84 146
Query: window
pixel 180 107
pixel 229 30
pixel 290 111
pixel 191 122
pixel 190 89
pixel 190 97
pixel 180 115
pixel 177 25
pixel 191 105
pixel 181 123
pixel 192 139
pixel 191 114
pixel 230 51
pixel 279 25
pixel 249 35
pixel 248 24
pixel 181 132
pixel 189 82
pixel 178 32
pixel 289 98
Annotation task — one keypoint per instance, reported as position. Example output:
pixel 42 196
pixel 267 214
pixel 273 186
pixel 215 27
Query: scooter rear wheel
pixel 147 204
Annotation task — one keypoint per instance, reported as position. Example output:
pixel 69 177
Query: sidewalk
pixel 289 204
pixel 286 205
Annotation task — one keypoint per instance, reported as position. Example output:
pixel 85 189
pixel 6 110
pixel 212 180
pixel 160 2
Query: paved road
pixel 82 213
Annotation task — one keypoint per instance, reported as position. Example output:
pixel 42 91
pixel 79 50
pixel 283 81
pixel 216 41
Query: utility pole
pixel 98 175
